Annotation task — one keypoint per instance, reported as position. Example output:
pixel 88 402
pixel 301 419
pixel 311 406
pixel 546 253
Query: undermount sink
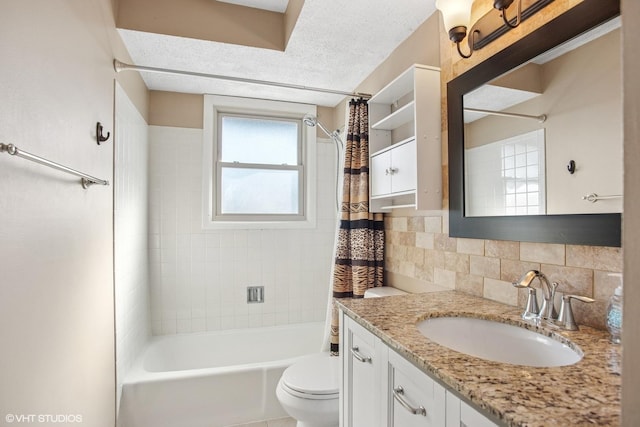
pixel 498 342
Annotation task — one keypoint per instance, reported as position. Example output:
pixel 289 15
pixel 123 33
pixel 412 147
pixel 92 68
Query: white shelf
pixel 399 86
pixel 391 147
pixel 402 115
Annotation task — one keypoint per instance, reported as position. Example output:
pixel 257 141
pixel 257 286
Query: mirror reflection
pixel 546 138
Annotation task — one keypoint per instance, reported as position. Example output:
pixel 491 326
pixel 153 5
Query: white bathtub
pixel 213 379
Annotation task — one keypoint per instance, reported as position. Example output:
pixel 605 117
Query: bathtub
pixel 213 379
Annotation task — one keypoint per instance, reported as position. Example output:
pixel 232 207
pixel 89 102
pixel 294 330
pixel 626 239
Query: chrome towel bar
pixel 86 180
pixel 593 197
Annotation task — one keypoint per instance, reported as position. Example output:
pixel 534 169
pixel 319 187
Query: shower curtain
pixel 359 261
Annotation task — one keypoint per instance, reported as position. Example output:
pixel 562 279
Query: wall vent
pixel 255 294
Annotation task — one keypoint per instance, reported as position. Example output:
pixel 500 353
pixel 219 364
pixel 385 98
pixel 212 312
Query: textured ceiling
pixel 335 45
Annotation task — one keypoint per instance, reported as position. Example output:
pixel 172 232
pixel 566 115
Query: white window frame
pixel 214 106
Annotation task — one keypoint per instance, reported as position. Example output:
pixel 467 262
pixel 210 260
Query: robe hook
pixel 99 136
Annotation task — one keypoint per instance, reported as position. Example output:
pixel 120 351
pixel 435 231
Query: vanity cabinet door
pixel 413 398
pixel 363 356
pixel 460 414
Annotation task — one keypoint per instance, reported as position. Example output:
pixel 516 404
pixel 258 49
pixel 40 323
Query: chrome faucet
pixel 547 310
pixel 565 318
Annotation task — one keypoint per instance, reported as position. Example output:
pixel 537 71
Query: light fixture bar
pixel 491 26
pixel 541 118
pixel 122 66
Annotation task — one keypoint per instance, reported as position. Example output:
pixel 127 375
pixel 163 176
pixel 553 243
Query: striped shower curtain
pixel 359 262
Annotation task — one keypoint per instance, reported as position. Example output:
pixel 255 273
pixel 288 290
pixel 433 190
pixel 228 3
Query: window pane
pixel 259 191
pixel 258 140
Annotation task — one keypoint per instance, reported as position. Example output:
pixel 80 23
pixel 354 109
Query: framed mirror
pixel 528 197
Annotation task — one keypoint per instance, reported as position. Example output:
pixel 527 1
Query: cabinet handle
pixel 356 353
pixel 398 392
pixel 393 171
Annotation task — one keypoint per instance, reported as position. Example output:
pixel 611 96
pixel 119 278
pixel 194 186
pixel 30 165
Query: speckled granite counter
pixel 587 393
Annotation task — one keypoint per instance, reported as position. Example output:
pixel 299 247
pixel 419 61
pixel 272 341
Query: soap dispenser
pixel 614 316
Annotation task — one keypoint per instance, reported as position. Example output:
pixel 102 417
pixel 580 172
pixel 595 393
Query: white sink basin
pixel 499 342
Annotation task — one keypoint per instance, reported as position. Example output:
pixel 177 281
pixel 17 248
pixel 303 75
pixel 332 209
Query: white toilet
pixel 308 389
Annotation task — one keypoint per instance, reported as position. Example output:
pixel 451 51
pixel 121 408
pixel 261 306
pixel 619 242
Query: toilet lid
pixel 314 375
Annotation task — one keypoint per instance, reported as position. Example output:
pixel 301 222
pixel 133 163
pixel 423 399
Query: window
pixel 507 177
pixel 259 164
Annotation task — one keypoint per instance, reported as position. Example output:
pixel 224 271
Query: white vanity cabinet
pixel 460 414
pixel 380 388
pixel 404 142
pixel 363 359
pixel 413 398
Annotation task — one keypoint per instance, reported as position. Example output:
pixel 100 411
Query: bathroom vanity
pixel 394 376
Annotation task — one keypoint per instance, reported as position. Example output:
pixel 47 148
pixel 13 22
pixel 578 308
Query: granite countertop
pixel 587 393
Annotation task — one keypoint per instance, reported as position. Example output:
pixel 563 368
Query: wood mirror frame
pixel 579 229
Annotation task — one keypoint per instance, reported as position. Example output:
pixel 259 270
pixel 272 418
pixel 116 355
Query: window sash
pixel 298 121
pixel 220 216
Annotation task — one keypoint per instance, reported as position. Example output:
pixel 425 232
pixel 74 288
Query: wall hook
pixel 99 136
pixel 571 167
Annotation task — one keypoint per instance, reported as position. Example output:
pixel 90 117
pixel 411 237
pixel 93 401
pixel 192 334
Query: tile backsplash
pixel 418 248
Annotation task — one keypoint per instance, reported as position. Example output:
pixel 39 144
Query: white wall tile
pixel 131 237
pixel 204 273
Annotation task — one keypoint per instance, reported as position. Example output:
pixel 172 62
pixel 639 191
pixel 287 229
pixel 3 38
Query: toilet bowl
pixel 308 390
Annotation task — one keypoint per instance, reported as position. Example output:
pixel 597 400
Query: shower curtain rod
pixel 122 66
pixel 541 118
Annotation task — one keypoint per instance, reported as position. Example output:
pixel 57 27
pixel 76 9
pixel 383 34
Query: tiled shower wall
pixel 130 234
pixel 198 278
pixel 418 247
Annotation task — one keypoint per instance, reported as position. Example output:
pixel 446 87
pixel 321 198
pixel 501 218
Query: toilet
pixel 308 389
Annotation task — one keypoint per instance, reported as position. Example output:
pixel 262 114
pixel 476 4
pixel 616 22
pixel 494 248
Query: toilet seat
pixel 314 377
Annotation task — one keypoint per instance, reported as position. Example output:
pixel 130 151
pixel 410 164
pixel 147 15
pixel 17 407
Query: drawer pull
pixel 398 392
pixel 356 353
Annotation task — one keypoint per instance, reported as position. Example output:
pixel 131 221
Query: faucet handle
pixel 531 311
pixel 565 318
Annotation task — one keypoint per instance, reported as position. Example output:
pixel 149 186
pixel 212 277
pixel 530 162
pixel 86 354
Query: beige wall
pixel 175 109
pixel 631 217
pixel 56 239
pixel 185 110
pixel 208 20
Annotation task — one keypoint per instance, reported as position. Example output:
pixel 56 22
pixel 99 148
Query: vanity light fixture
pixel 456 15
